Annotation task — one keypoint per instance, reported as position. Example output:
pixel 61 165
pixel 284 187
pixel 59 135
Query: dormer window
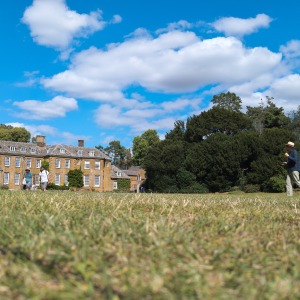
pixel 23 149
pixel 79 152
pixel 12 148
pixel 91 153
pixel 62 150
pixel 33 150
pixel 119 174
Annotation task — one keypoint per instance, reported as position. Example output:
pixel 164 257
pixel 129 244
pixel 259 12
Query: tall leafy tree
pixel 117 153
pixel 177 133
pixel 295 122
pixel 16 134
pixel 215 120
pixel 142 144
pixel 267 116
pixel 228 101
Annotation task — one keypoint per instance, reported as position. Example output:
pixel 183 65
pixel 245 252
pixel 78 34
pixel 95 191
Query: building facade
pixel 137 176
pixel 15 157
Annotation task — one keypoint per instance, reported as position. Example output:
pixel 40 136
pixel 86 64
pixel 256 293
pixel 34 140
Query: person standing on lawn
pixel 293 168
pixel 28 179
pixel 44 178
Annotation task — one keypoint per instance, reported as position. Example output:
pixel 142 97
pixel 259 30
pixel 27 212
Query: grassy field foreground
pixel 66 245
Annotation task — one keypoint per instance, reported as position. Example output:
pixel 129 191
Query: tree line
pixel 219 150
pixel 224 149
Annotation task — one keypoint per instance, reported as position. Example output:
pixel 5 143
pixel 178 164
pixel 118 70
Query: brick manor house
pixel 15 157
pixel 98 172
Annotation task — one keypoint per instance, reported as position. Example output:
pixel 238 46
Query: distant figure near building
pixel 28 179
pixel 44 178
pixel 293 168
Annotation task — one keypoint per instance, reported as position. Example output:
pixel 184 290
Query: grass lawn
pixel 67 245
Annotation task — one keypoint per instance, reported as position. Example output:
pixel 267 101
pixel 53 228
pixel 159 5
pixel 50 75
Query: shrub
pixel 75 178
pixel 123 185
pixel 53 186
pixel 251 188
pixel 275 184
pixel 45 164
pixel 3 187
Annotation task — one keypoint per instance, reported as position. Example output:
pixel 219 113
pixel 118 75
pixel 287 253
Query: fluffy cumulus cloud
pixel 160 116
pixel 53 24
pixel 64 137
pixel 173 62
pixel 239 27
pixel 39 110
pixel 108 116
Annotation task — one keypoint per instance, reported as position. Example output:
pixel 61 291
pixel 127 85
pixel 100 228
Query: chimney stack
pixel 80 143
pixel 41 140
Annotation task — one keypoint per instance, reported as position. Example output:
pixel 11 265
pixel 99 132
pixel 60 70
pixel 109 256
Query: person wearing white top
pixel 44 178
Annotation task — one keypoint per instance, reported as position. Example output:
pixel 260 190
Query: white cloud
pixel 116 19
pixel 36 129
pixel 292 49
pixel 239 27
pixel 53 24
pixel 64 137
pixel 175 62
pixel 39 110
pixel 287 88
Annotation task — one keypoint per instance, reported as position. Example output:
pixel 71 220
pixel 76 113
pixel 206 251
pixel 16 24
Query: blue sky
pixel 111 69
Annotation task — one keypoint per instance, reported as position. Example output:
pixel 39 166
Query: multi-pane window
pixel 86 180
pixel 79 152
pixel 115 185
pixel 66 180
pixel 32 150
pixel 97 180
pixel 67 164
pixel 91 153
pixel 12 148
pixel 38 163
pixel 62 150
pixel 36 179
pixel 28 163
pixel 6 178
pixel 17 178
pixel 86 164
pixel 18 162
pixel 57 179
pixel 7 161
pixel 23 149
pixel 119 174
pixel 57 163
pixel 97 165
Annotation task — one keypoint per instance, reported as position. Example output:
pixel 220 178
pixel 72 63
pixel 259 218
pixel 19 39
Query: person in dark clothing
pixel 293 168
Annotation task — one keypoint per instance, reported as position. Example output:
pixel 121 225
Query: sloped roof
pixel 133 171
pixel 30 149
pixel 22 149
pixel 115 170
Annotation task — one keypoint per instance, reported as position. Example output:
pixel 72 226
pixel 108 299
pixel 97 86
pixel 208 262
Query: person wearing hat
pixel 293 167
pixel 27 179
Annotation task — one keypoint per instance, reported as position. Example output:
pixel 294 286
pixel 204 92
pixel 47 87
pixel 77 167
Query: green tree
pixel 228 101
pixel 75 178
pixel 117 153
pixel 215 120
pixel 45 164
pixel 16 134
pixel 295 122
pixel 267 116
pixel 142 144
pixel 177 133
